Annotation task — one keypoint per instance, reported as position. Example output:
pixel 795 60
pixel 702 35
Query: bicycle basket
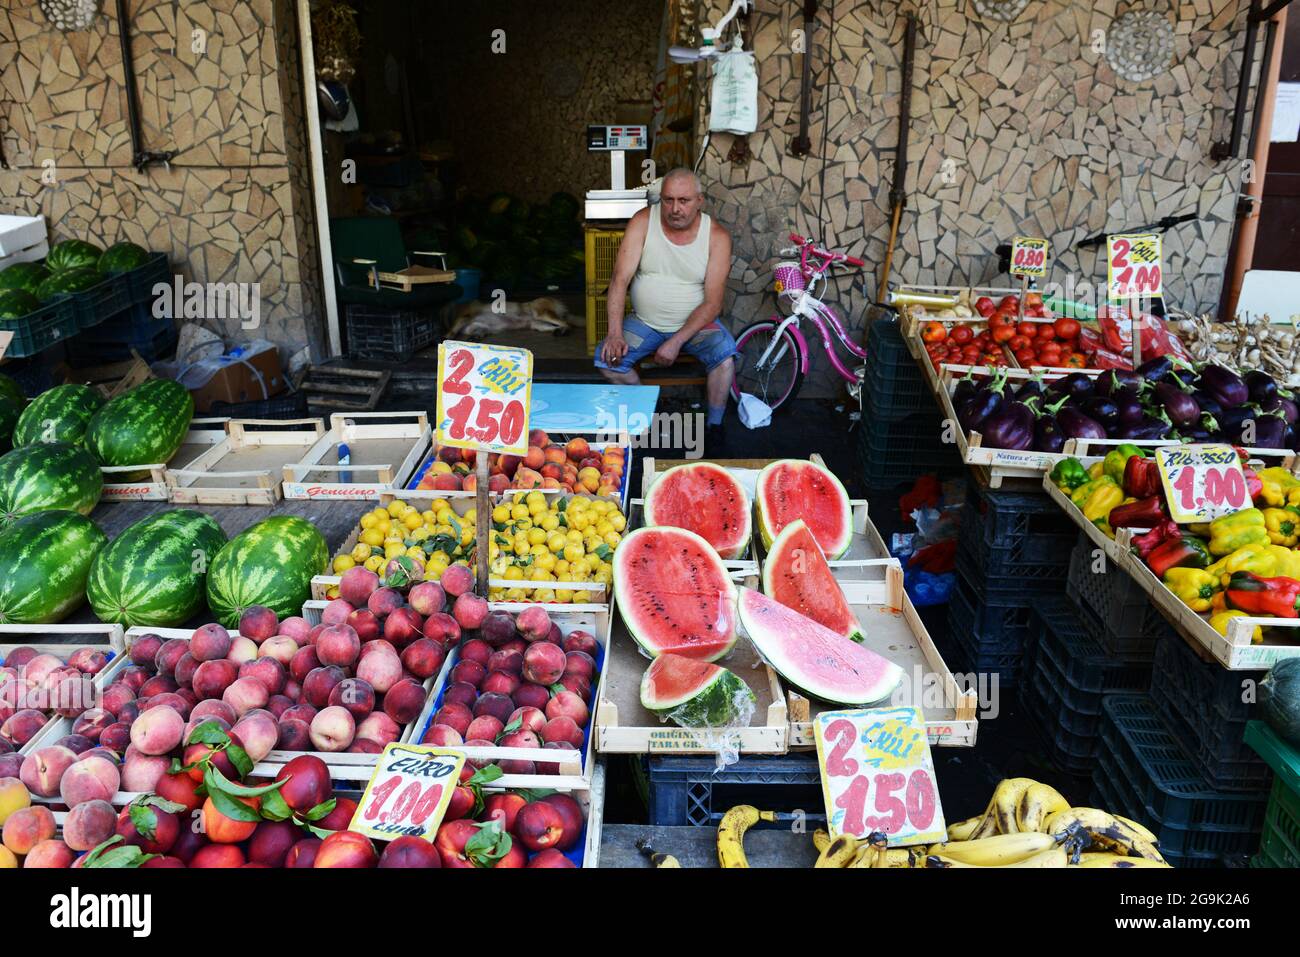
pixel 789 281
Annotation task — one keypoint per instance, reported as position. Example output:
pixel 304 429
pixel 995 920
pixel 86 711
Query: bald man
pixel 675 259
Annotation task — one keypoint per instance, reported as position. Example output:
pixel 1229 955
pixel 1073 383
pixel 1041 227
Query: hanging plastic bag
pixel 754 412
pixel 735 93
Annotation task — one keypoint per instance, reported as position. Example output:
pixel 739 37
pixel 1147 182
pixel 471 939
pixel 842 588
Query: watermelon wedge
pixel 796 575
pixel 674 594
pixel 706 499
pixel 814 659
pixel 695 694
pixel 795 488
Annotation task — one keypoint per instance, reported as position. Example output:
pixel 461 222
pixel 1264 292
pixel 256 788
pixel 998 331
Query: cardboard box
pixel 238 383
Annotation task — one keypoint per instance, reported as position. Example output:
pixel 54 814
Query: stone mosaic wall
pixel 1020 127
pixel 235 204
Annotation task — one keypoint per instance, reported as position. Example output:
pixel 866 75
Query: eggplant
pixel 1048 436
pixel 1076 425
pixel 1030 387
pixel 1293 435
pixel 1195 434
pixel 1207 402
pixel 1261 387
pixel 1287 408
pixel 1011 427
pixel 1225 385
pixel 1270 431
pixel 1113 381
pixel 1130 408
pixel 1153 370
pixel 965 388
pixel 1102 409
pixel 977 409
pixel 1076 384
pixel 1180 407
pixel 1149 428
pixel 1231 420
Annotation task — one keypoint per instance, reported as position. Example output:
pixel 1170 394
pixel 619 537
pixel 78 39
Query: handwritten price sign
pixel 877 775
pixel 1133 266
pixel 1202 482
pixel 484 396
pixel 1029 256
pixel 409 792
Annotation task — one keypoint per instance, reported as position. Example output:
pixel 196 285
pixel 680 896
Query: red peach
pixel 379 645
pixel 333 729
pixel 498 705
pixel 209 643
pixel 381 670
pixel 476 649
pixel 144 650
pixel 583 641
pixel 533 623
pixel 378 729
pixel 568 703
pixel 581 664
pixel 218 856
pixel 163 860
pixel 563 728
pixel 354 694
pixel 337 612
pixel 498 628
pixel 116 737
pixel 272 841
pixel 456 580
pixel 49 853
pixel 550 858
pixel 78 744
pixel 528 719
pixel 303 854
pixel 181 789
pixel 338 645
pixel 191 838
pixel 460 692
pixel 578 685
pixel 539 826
pixel 134 676
pixel 43 770
pixel 357 585
pixel 89 824
pixel 280 647
pixel 384 601
pixel 158 684
pixel 161 828
pixel 244 694
pixel 257 733
pixel 168 699
pixel 293 734
pixel 404 701
pixel 484 727
pixel 531 695
pixel 301 711
pixel 339 818
pixel 442 735
pixel 258 623
pixel 506 660
pixel 442 628
pixel 503 807
pixel 90 779
pixel 157 731
pixel 520 739
pixel 470 672
pixel 318 684
pixel 279 704
pixel 501 682
pixel 141 772
pixel 427 598
pixel 364 623
pixel 410 852
pixel 27 827
pixel 571 811
pixel 88 661
pixel 455 716
pixel 304 662
pixel 21 726
pixel 241 650
pixel 212 678
pixel 403 626
pixel 92 723
pixel 306 783
pixel 295 627
pixel 185 669
pixel 221 829
pixel 213 708
pixel 346 849
pixel 424 657
pixel 41 667
pixel 470 611
pixel 543 663
pixel 115 696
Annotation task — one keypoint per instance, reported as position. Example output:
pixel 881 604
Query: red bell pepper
pixel 1141 478
pixel 1254 484
pixel 1147 513
pixel 1187 551
pixel 1148 542
pixel 1279 597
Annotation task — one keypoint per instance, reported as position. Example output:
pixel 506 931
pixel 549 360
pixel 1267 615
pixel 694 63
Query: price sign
pixel 1202 482
pixel 409 792
pixel 1133 266
pixel 1029 256
pixel 877 775
pixel 484 396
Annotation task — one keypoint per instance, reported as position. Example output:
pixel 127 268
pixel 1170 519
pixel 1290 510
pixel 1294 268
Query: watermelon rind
pixel 122 257
pixel 706 695
pixel 60 414
pixel 72 254
pixel 797 648
pixel 26 276
pixel 767 503
pixel 66 283
pixel 45 560
pixel 270 563
pixel 153 574
pixel 48 477
pixel 726 504
pixel 647 565
pixel 144 426
pixel 812 590
pixel 17 304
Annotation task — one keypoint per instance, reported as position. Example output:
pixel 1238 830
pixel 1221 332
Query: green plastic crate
pixel 1279 841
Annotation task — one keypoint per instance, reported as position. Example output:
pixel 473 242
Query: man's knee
pixel 621 378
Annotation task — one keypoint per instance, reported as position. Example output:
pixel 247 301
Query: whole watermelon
pixel 10 389
pixel 59 415
pixel 23 276
pixel 270 563
pixel 72 254
pixel 66 283
pixel 10 413
pixel 122 257
pixel 142 427
pixel 1279 699
pixel 39 478
pixel 17 303
pixel 44 562
pixel 154 572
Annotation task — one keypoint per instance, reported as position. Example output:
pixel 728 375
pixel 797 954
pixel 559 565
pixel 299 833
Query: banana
pixel 820 840
pixel 1051 857
pixel 1087 856
pixel 1105 832
pixel 840 852
pixel 1038 803
pixel 1140 829
pixel 995 851
pixel 1120 862
pixel 731 833
pixel 657 859
pixel 963 830
pixel 1000 816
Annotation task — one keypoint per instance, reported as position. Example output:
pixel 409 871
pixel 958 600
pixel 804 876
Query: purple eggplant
pixel 1261 387
pixel 1076 425
pixel 1293 438
pixel 1113 381
pixel 1011 427
pixel 1178 405
pixel 1285 407
pixel 1149 428
pixel 965 388
pixel 976 410
pixel 1102 409
pixel 1232 420
pixel 1076 384
pixel 1130 408
pixel 1207 402
pixel 1195 434
pixel 1153 370
pixel 1030 387
pixel 1226 386
pixel 1269 431
pixel 1048 435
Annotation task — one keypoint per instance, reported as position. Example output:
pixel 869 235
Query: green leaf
pixel 233 808
pixel 209 733
pixel 99 849
pixel 605 552
pixel 120 857
pixel 485 776
pixel 176 767
pixel 144 819
pixel 456 528
pixel 514 725
pixel 171 807
pixel 240 759
pixel 238 790
pixel 321 810
pixel 557 688
pixel 274 807
pixel 320 832
pixel 489 845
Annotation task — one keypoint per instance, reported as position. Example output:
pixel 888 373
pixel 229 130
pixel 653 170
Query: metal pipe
pixel 141 158
pixel 1228 149
pixel 898 193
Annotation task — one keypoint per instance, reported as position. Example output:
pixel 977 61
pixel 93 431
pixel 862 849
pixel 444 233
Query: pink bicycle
pixel 772 354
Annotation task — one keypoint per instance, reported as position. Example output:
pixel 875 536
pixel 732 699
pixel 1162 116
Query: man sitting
pixel 676 260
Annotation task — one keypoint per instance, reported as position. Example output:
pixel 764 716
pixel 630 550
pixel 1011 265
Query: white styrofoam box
pixel 19 233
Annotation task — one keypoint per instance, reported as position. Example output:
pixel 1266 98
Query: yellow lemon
pixel 342 563
pixel 551 522
pixel 612 539
pixel 536 574
pixel 360 553
pixel 383 526
pixel 392 551
pixel 603 527
pixel 412 520
pixel 536 536
pixel 601 506
pixel 416 552
pixel 544 595
pixel 537 551
pixel 519 511
pixel 521 547
pixel 557 542
pixel 517 594
pixel 604 576
pixel 572 553
pixel 593 562
pixel 466 535
pixel 429 517
pixel 579 522
pixel 563 595
pixel 501 513
pixel 375 562
pixel 618 522
pixel 523 525
pixel 396 507
pixel 496 594
pixel 372 536
pixel 368 520
pixel 493 550
pixel 514 573
pixel 561 568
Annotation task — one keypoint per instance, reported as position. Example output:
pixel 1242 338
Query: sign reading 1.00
pixel 1029 256
pixel 1133 266
pixel 409 792
pixel 484 396
pixel 1202 482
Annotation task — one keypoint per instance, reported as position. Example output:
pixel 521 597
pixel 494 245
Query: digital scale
pixel 617 202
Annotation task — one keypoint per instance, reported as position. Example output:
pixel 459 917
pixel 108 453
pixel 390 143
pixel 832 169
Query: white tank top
pixel 669 283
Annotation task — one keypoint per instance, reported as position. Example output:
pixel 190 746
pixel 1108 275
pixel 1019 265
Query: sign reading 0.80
pixel 409 792
pixel 483 396
pixel 1029 256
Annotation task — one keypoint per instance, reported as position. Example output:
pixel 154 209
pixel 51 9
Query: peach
pixel 144 650
pixel 241 650
pixel 568 703
pixel 49 853
pixel 269 672
pixel 511 662
pixel 336 612
pixel 169 699
pixel 456 580
pixel 293 734
pixel 69 693
pixel 89 824
pixel 115 696
pixel 185 669
pixel 346 849
pixel 141 772
pixel 13 797
pixel 520 738
pixel 564 729
pixel 338 645
pixel 116 737
pixel 354 694
pixel 498 483
pixel 550 858
pixel 27 827
pixel 531 695
pixel 554 455
pixel 303 854
pixel 501 682
pixel 527 719
pixel 88 661
pixel 43 770
pixel 92 723
pixel 210 642
pixel 533 623
pixel 20 656
pixel 318 684
pixel 191 838
pixel 577 684
pixel 485 727
pixel 150 828
pixel 384 601
pixel 295 627
pixel 244 694
pixel 427 598
pixel 271 842
pixel 280 647
pixel 469 611
pixel 442 628
pixel 301 711
pixel 409 851
pixel 539 826
pixel 213 708
pixel 580 663
pixel 180 789
pixel 376 646
pixel 476 649
pixel 339 818
pixel 10 765
pixel 364 623
pixel 158 684
pixel 379 729
pixel 403 626
pixel 279 704
pixel 498 628
pixel 498 705
pixel 257 732
pixel 221 829
pixel 157 731
pixel 534 458
pixel 258 623
pixel 134 676
pixel 456 716
pixel 357 585
pixel 218 856
pixel 381 670
pixel 306 783
pixel 460 692
pixel 404 701
pixel 504 808
pixel 78 744
pixel 304 662
pixel 544 663
pixel 424 657
pixel 333 729
pixel 447 482
pixel 41 667
pixel 90 779
pixel 164 860
pixel 21 726
pixel 442 735
pixel 470 672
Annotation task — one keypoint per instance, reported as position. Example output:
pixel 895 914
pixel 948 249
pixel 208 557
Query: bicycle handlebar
pixel 827 255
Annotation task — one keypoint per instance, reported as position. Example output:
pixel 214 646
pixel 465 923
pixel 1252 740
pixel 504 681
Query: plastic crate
pixel 1279 843
pixel 1118 613
pixel 894 386
pixel 990 637
pixel 1086 669
pixel 290 406
pixel 141 280
pixel 890 453
pixel 1022 532
pixel 389 335
pixel 37 331
pixel 1200 703
pixel 696 792
pixel 1073 750
pixel 601 247
pixel 100 302
pixel 999 568
pixel 135 330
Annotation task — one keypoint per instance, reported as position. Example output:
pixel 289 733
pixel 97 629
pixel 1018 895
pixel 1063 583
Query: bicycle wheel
pixel 778 379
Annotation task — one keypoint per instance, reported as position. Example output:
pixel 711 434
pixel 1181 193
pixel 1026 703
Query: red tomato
pixel 1004 333
pixel 1049 357
pixel 1018 342
pixel 1033 299
pixel 961 335
pixel 1066 328
pixel 984 306
pixel 1009 304
pixel 1000 319
pixel 1026 357
pixel 1026 329
pixel 1045 330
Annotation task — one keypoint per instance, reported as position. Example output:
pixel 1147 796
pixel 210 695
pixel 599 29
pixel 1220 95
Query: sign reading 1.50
pixel 483 396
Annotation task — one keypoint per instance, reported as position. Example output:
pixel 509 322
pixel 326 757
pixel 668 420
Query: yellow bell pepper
pixel 1219 603
pixel 1199 529
pixel 1219 622
pixel 1288 561
pixel 1282 525
pixel 1080 495
pixel 1095 471
pixel 1195 587
pixel 1256 559
pixel 1096 508
pixel 1278 485
pixel 1231 532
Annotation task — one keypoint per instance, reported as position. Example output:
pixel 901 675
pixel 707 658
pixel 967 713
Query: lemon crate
pixel 1279 842
pixel 601 251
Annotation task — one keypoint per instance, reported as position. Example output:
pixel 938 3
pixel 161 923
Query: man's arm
pixel 625 266
pixel 715 287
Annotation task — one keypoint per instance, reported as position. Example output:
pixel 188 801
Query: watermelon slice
pixel 796 575
pixel 795 488
pixel 674 594
pixel 696 694
pixel 814 659
pixel 705 499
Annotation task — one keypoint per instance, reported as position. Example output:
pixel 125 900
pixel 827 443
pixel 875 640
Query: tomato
pixel 1000 319
pixel 961 334
pixel 1076 360
pixel 1025 357
pixel 1033 299
pixel 984 306
pixel 1009 304
pixel 971 353
pixel 1049 357
pixel 934 332
pixel 1004 333
pixel 1018 342
pixel 1026 328
pixel 1066 328
pixel 1045 330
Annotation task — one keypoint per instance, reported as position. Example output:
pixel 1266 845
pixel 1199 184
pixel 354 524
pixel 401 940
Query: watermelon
pixel 72 254
pixel 38 478
pixel 26 276
pixel 68 282
pixel 44 562
pixel 795 488
pixel 142 427
pixel 815 660
pixel 154 573
pixel 706 499
pixel 59 415
pixel 10 389
pixel 271 563
pixel 122 257
pixel 674 594
pixel 696 694
pixel 17 303
pixel 796 574
pixel 10 413
pixel 1279 699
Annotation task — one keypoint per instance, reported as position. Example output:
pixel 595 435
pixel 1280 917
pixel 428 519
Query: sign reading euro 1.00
pixel 483 397
pixel 1029 256
pixel 1133 269
pixel 409 792
pixel 1202 482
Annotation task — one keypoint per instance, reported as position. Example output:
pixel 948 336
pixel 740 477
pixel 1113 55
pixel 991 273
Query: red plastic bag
pixel 1156 340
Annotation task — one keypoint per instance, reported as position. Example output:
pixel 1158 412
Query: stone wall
pixel 1016 128
pixel 235 205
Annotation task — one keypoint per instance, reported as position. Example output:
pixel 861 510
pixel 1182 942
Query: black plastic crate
pixel 37 331
pixel 114 341
pixel 141 280
pixel 696 792
pixel 1024 531
pixel 100 302
pixel 292 405
pixel 389 335
pixel 894 386
pixel 990 636
pixel 1085 668
pixel 999 568
pixel 1119 614
pixel 890 453
pixel 1073 752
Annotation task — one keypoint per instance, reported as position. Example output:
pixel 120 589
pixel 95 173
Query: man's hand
pixel 614 349
pixel 667 353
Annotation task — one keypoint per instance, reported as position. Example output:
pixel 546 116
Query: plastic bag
pixel 1116 340
pixel 735 93
pixel 754 412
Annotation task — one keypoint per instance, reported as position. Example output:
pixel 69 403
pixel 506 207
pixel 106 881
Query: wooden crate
pixel 332 388
pixel 244 464
pixel 152 486
pixel 383 455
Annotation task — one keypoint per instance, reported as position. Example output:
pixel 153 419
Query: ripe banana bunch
pixel 731 833
pixel 871 851
pixel 1105 832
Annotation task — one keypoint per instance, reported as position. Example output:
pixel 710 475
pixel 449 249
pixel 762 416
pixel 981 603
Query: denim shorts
pixel 712 345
